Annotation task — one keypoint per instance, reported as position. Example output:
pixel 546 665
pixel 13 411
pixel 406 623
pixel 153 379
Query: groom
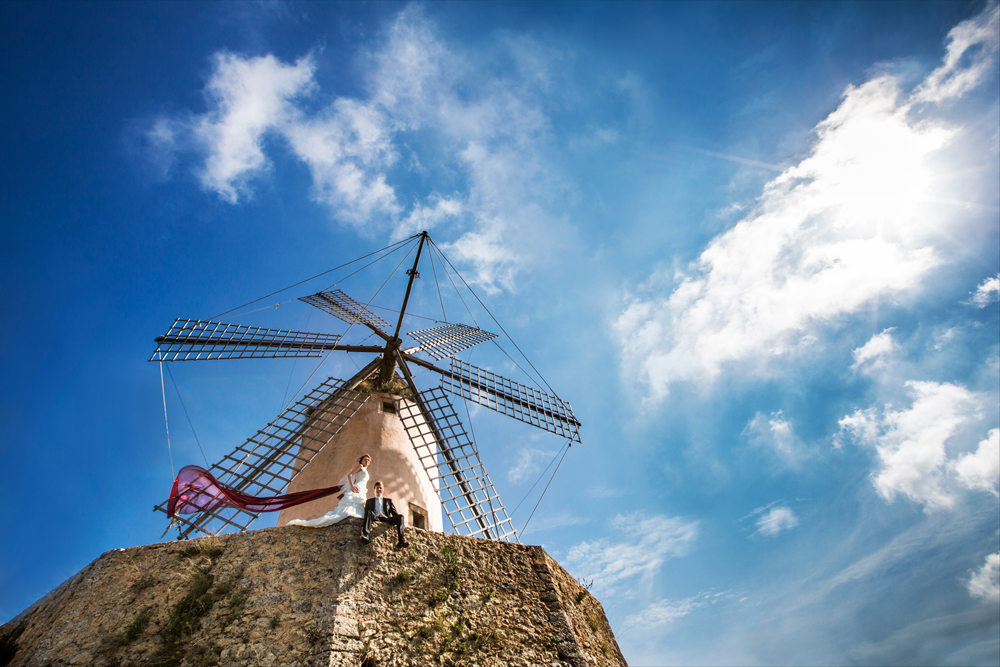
pixel 382 510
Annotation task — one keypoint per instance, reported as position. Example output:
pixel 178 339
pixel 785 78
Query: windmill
pixel 435 463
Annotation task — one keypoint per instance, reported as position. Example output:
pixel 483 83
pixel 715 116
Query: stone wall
pixel 300 596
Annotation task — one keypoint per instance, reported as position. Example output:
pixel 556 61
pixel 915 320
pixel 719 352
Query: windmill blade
pixel 449 340
pixel 524 403
pixel 269 460
pixel 345 308
pixel 189 340
pixel 453 466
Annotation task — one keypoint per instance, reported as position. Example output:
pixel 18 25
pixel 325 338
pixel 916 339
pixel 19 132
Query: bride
pixel 352 503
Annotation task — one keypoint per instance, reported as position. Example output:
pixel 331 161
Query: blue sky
pixel 756 245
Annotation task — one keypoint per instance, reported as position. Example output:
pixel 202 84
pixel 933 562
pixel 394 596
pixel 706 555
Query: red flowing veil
pixel 196 490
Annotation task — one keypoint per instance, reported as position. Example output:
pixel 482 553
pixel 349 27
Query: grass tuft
pixel 593 622
pixel 135 629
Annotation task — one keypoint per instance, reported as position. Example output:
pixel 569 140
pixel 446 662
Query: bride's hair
pixel 363 457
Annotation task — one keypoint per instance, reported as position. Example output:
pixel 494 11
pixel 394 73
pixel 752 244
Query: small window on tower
pixel 388 407
pixel 418 517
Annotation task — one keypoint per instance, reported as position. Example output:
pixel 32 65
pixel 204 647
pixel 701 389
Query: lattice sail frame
pixel 449 340
pixel 524 403
pixel 343 307
pixel 452 463
pixel 274 455
pixel 196 340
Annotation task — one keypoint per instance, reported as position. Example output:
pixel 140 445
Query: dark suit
pixel 389 515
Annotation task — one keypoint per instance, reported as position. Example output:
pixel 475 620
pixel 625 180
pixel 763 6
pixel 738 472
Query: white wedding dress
pixel 352 504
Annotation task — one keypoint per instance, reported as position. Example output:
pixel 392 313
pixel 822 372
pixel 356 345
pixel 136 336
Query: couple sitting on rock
pixel 353 503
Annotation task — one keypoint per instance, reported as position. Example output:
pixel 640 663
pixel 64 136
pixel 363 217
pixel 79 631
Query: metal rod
pixel 409 285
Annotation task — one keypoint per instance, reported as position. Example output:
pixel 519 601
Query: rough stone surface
pixel 300 596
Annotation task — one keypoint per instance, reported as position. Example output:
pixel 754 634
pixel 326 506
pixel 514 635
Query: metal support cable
pixel 546 489
pixel 459 293
pixel 170 453
pixel 419 317
pixel 323 360
pixel 438 286
pixel 497 322
pixel 295 363
pixel 540 476
pixel 387 279
pixel 314 277
pixel 374 261
pixel 184 408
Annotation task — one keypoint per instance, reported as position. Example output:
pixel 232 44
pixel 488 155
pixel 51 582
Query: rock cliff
pixel 300 596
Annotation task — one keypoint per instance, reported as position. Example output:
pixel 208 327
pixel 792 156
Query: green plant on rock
pixel 437 598
pixel 185 617
pixel 452 570
pixel 580 595
pixel 394 386
pixel 593 621
pixel 135 629
pixel 404 576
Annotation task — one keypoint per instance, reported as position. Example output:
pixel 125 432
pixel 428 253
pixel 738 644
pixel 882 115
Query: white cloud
pixel 664 612
pixel 985 582
pixel 553 520
pixel 649 542
pixel 348 147
pixel 912 444
pixel 981 469
pixel 424 217
pixel 411 76
pixel 971 56
pixel 874 351
pixel 775 433
pixel 423 99
pixel 248 97
pixel 986 292
pixel 487 250
pixel 843 228
pixel 776 520
pixel 159 150
pixel 945 337
pixel 601 491
pixel 527 462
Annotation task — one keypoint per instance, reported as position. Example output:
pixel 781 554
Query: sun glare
pixel 875 167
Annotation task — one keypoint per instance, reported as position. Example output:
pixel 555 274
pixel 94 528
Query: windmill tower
pixel 419 446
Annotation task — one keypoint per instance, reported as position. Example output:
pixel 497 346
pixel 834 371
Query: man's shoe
pixel 401 544
pixel 366 539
